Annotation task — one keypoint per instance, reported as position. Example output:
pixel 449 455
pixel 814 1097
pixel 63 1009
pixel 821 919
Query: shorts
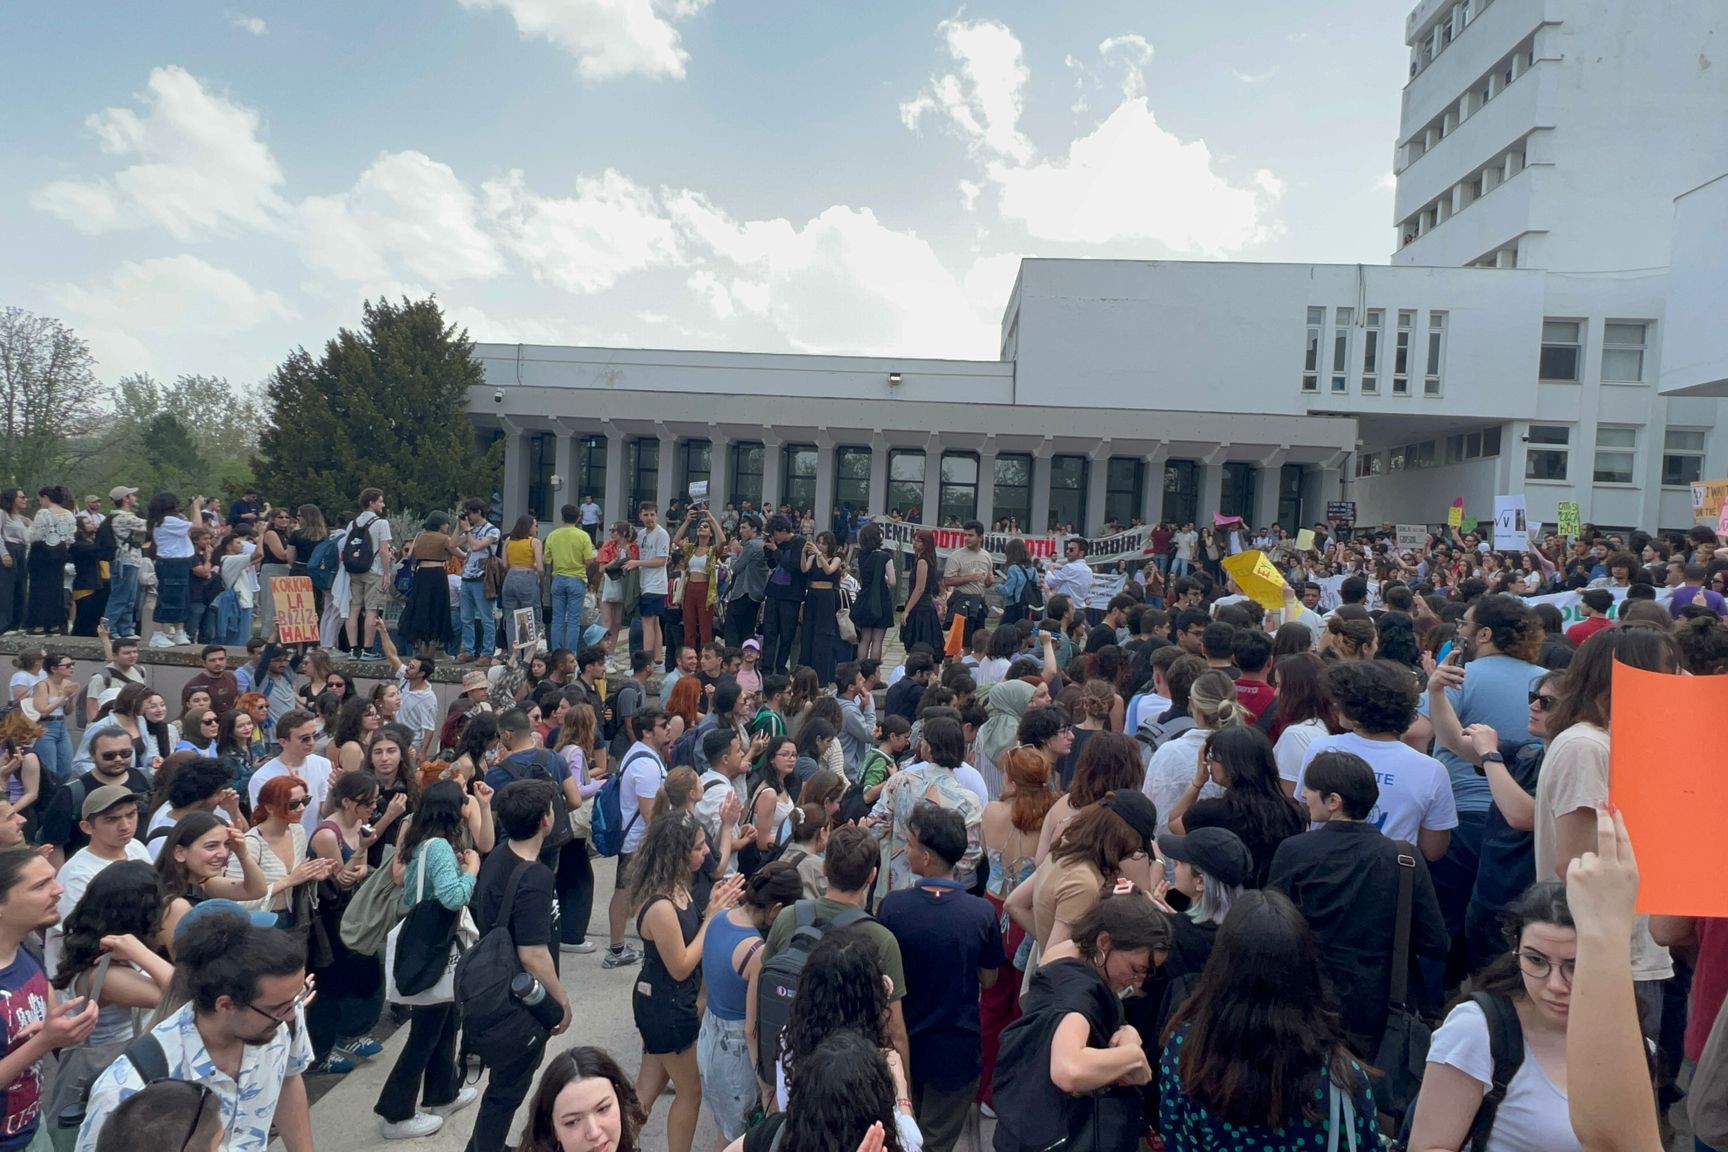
pixel 666 1015
pixel 623 877
pixel 652 605
pixel 728 1077
pixel 367 590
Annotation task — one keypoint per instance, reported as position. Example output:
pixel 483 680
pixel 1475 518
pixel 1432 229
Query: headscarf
pixel 1005 702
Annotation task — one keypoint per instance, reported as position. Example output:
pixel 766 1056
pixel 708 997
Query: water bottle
pixel 531 994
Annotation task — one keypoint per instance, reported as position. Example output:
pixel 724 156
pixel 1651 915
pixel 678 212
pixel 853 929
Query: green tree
pixel 385 407
pixel 48 397
pixel 220 424
pixel 170 456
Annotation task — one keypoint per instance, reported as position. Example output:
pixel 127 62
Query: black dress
pixel 426 616
pixel 921 624
pixel 874 607
pixel 666 1015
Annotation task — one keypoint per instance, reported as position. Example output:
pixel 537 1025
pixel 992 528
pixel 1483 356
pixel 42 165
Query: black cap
pixel 1218 852
pixel 1139 812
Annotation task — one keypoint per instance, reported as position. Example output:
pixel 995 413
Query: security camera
pixel 1524 439
pixel 497 395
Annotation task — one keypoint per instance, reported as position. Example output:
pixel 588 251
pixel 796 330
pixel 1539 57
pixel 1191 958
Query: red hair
pixel 686 695
pixel 274 796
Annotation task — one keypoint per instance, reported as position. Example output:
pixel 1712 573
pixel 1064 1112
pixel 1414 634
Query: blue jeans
pixel 477 606
pixel 54 749
pixel 569 595
pixel 123 601
pixel 1178 566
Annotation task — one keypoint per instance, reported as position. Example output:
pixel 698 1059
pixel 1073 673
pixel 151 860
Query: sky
pixel 202 188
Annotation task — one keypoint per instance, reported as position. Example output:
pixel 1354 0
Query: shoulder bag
pixel 1403 1052
pixel 374 910
pixel 420 953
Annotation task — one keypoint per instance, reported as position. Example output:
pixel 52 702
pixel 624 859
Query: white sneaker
pixel 161 640
pixel 581 949
pixel 416 1126
pixel 463 1098
pixel 180 637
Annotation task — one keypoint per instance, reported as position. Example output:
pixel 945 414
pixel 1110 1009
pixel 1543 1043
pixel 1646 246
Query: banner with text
pixel 1134 545
pixel 296 609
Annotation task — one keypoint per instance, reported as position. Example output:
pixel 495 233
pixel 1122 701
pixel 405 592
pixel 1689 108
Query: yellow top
pixel 569 550
pixel 519 553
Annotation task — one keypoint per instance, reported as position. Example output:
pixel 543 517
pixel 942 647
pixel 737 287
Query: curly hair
pixel 1109 762
pixel 841 988
pixel 660 866
pixel 1376 696
pixel 567 1068
pixel 18 729
pixel 1703 642
pixel 846 1087
pixel 1398 639
pixel 123 899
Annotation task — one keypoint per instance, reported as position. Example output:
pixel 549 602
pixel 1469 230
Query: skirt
pixel 922 627
pixel 426 616
pixel 46 607
pixel 172 589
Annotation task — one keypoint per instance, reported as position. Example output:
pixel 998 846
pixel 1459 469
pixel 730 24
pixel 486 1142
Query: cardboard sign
pixel 1257 576
pixel 296 609
pixel 1341 511
pixel 1412 535
pixel 1708 500
pixel 1467 525
pixel 1722 521
pixel 1455 514
pixel 1569 525
pixel 699 490
pixel 1511 527
pixel 1675 806
pixel 1305 540
pixel 525 627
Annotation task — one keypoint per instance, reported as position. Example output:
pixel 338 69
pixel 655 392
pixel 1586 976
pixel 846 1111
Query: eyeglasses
pixel 1543 701
pixel 122 754
pixel 1538 967
pixel 292 1006
pixel 304 737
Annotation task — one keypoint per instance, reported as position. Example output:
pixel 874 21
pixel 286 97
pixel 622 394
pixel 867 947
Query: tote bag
pixel 425 936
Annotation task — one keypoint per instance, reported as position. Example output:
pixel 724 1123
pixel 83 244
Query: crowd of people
pixel 1175 866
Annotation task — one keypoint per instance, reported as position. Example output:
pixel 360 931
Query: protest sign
pixel 1304 539
pixel 1106 586
pixel 1341 511
pixel 1569 526
pixel 525 625
pixel 1467 524
pixel 1455 514
pixel 1511 529
pixel 1722 521
pixel 1675 806
pixel 296 609
pixel 1134 545
pixel 1709 497
pixel 1412 535
pixel 698 490
pixel 1257 576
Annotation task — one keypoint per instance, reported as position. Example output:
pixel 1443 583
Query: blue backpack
pixel 322 565
pixel 610 826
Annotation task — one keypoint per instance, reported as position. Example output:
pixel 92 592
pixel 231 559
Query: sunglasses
pixel 1543 701
pixel 123 754
pixel 296 805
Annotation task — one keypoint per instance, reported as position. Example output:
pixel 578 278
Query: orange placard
pixel 1665 777
pixel 296 609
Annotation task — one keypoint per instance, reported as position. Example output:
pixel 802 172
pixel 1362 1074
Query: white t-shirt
pixel 1171 770
pixel 1534 1113
pixel 590 513
pixel 990 671
pixel 379 529
pixel 1291 751
pixel 973 780
pixel 161 819
pixel 644 772
pixel 236 576
pixel 75 876
pixel 1144 707
pixel 1184 542
pixel 419 710
pixel 26 681
pixel 315 771
pixel 1415 792
pixel 173 539
pixel 652 545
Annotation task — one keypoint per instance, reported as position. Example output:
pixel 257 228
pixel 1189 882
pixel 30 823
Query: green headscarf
pixel 1005 702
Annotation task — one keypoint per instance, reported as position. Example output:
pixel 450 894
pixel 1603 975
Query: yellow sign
pixel 296 609
pixel 1708 498
pixel 1455 514
pixel 1304 539
pixel 1257 576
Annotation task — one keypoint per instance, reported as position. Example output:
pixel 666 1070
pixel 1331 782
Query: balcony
pixel 1487 133
pixel 1481 226
pixel 1502 26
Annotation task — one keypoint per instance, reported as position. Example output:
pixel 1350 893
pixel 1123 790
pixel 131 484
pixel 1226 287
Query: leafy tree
pixel 220 425
pixel 170 456
pixel 385 407
pixel 48 397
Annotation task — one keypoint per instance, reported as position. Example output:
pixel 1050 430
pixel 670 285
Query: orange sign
pixel 296 609
pixel 1676 805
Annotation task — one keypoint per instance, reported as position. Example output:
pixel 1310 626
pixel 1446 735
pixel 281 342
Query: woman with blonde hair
pixel 1213 705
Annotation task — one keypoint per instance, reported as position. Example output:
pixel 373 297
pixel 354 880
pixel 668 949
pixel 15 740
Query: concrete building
pixel 1552 322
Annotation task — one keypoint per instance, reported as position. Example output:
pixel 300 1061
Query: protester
pixel 1210 698
pixel 584 1104
pixel 1253 806
pixel 933 781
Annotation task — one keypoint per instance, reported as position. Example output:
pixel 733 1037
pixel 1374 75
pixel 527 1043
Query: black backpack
pixel 494 1026
pixel 777 983
pixel 357 550
pixel 1031 595
pixel 533 765
pixel 1506 1045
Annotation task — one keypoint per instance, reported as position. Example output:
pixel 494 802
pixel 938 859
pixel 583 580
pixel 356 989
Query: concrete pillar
pixel 1211 491
pixel 564 464
pixel 719 483
pixel 987 483
pixel 666 476
pixel 612 503
pixel 772 463
pixel 1040 490
pixel 824 503
pixel 1266 494
pixel 514 494
pixel 1097 482
pixel 878 475
pixel 1152 495
pixel 933 480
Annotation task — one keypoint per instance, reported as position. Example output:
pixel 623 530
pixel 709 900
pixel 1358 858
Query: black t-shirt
pixel 1215 812
pixel 60 820
pixel 946 935
pixel 531 914
pixel 904 697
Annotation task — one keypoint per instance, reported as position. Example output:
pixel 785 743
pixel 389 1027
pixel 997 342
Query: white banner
pixel 1134 545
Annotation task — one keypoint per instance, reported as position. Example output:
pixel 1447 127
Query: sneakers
pixel 181 638
pixel 334 1064
pixel 581 949
pixel 161 640
pixel 621 957
pixel 360 1047
pixel 463 1098
pixel 418 1125
pixel 987 1112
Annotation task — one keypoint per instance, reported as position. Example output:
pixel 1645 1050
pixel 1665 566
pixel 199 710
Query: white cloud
pixel 969 190
pixel 1255 77
pixel 252 24
pixel 608 38
pixel 1132 180
pixel 407 211
pixel 983 100
pixel 582 243
pixel 199 167
pixel 1134 52
pixel 1388 182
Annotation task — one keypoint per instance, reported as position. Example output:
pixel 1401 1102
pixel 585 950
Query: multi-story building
pixel 1554 321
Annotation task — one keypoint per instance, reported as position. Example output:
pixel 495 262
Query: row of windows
pixel 1466 192
pixel 1441 35
pixel 1474 98
pixel 1375 360
pixel 1068 476
pixel 1455 449
pixel 1623 344
pixel 1549 456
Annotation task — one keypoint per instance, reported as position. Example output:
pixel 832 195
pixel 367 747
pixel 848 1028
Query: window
pixel 1550 448
pixel 590 478
pixel 1371 352
pixel 693 465
pixel 906 483
pixel 1236 492
pixel 1124 489
pixel 1616 454
pixel 542 447
pixel 1436 344
pixel 1623 353
pixel 747 474
pixel 1367 464
pixel 1290 479
pixel 1068 491
pixel 1455 447
pixel 852 478
pixel 1181 491
pixel 1341 349
pixel 1562 350
pixel 642 470
pixel 1682 457
pixel 1401 354
pixel 1013 489
pixel 798 477
pixel 1311 353
pixel 1491 441
pixel 958 496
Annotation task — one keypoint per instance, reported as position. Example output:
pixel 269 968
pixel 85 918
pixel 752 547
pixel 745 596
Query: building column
pixel 612 503
pixel 1266 484
pixel 824 503
pixel 987 482
pixel 772 463
pixel 564 465
pixel 1040 525
pixel 1152 492
pixel 514 493
pixel 719 452
pixel 665 476
pixel 878 475
pixel 932 481
pixel 1097 483
pixel 1211 489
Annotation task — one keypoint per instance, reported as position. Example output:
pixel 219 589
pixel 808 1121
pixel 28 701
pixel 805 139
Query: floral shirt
pixel 248 1106
pixel 893 811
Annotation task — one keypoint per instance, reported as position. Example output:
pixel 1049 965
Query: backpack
pixel 79 708
pixel 1506 1045
pixel 615 727
pixel 777 983
pixel 322 564
pixel 532 765
pixel 494 1026
pixel 357 547
pixel 610 826
pixel 1031 596
pixel 853 806
pixel 1155 735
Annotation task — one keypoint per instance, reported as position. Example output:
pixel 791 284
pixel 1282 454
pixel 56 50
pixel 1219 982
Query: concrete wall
pixel 1695 338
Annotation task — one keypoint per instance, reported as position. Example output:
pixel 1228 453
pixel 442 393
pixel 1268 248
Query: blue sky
pixel 200 188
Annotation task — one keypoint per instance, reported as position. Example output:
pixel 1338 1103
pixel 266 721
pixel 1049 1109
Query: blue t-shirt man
pixel 1496 692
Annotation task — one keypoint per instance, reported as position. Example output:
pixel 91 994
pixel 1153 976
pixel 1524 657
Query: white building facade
pixel 1554 321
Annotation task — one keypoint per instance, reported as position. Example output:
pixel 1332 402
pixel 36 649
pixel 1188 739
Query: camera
pixel 497 395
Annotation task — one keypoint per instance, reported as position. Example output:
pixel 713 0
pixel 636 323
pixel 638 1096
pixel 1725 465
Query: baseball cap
pixel 753 643
pixel 1218 852
pixel 106 797
pixel 220 907
pixel 1135 808
pixel 119 492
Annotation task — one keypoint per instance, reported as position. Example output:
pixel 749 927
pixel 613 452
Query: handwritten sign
pixel 525 627
pixel 1304 539
pixel 296 609
pixel 1569 525
pixel 1341 511
pixel 1455 514
pixel 1412 535
pixel 1709 497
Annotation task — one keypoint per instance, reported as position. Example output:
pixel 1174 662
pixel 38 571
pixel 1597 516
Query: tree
pixel 48 396
pixel 219 422
pixel 383 407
